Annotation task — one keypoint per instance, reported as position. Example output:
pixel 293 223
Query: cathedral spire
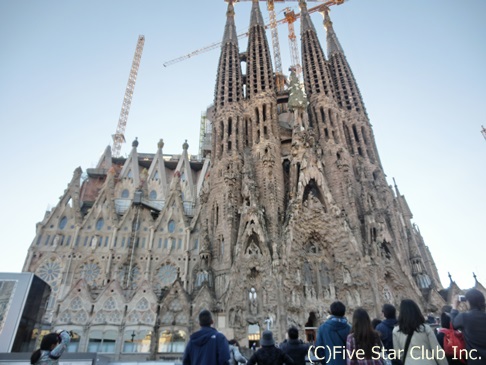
pixel 317 77
pixel 306 22
pixel 229 84
pixel 230 35
pixel 346 89
pixel 256 17
pixel 259 64
pixel 333 45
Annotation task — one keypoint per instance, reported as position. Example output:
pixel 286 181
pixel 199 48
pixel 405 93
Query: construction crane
pixel 275 43
pixel 273 28
pixel 290 18
pixel 119 136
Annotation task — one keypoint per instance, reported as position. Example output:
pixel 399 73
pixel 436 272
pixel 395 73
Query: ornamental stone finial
pixel 160 145
pixel 185 146
pixel 135 143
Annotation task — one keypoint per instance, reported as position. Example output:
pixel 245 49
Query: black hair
pixel 389 311
pixel 410 318
pixel 293 333
pixel 46 345
pixel 445 320
pixel 375 322
pixel 338 309
pixel 205 318
pixel 364 334
pixel 475 299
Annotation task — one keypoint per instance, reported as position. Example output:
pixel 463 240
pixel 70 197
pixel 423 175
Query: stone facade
pixel 285 212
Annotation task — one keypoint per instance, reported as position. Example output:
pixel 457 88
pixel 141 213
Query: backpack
pixel 453 343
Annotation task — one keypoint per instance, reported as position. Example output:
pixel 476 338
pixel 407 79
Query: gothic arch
pixel 312 191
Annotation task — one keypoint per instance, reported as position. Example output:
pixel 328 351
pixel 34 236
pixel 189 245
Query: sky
pixel 64 66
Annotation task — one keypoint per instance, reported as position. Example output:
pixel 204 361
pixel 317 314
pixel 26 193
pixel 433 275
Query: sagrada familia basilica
pixel 286 210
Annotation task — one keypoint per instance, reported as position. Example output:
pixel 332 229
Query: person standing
pixel 413 340
pixel 385 328
pixel 52 347
pixel 294 347
pixel 363 340
pixel 206 346
pixel 445 325
pixel 332 335
pixel 473 325
pixel 235 355
pixel 268 354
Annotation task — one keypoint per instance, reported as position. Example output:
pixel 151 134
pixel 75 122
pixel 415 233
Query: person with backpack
pixel 444 334
pixel 413 339
pixel 473 325
pixel 52 347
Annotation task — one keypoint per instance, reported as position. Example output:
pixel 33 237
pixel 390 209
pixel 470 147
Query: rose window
pixel 49 271
pixel 166 275
pixel 90 272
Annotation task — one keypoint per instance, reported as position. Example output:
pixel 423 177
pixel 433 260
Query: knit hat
pixel 267 338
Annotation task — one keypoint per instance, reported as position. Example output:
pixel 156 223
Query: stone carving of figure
pixel 252 296
pixel 346 276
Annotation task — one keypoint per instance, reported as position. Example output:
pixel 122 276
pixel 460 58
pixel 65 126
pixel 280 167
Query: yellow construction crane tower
pixel 119 136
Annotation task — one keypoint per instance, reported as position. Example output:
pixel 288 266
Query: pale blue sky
pixel 420 66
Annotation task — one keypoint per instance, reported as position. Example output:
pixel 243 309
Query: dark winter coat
pixel 296 349
pixel 270 355
pixel 385 328
pixel 332 335
pixel 473 326
pixel 206 346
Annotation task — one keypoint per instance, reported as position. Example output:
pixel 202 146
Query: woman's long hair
pixel 410 318
pixel 46 345
pixel 364 334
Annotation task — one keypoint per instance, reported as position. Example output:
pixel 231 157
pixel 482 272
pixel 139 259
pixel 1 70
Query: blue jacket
pixel 206 347
pixel 386 332
pixel 332 334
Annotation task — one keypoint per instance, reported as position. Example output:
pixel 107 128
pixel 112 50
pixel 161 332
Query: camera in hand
pixel 461 298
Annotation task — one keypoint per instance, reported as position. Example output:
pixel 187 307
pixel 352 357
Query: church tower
pixel 288 211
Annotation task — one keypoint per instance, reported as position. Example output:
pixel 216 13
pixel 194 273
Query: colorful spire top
pixel 333 45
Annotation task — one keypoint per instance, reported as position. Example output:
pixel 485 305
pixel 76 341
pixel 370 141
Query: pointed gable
pixel 157 179
pixel 184 173
pixel 109 306
pixel 175 306
pixel 142 308
pixel 204 299
pixel 76 306
pixel 105 161
pixel 67 210
pixel 130 170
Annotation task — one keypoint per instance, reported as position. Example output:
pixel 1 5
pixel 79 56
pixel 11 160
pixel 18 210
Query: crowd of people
pixel 406 339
